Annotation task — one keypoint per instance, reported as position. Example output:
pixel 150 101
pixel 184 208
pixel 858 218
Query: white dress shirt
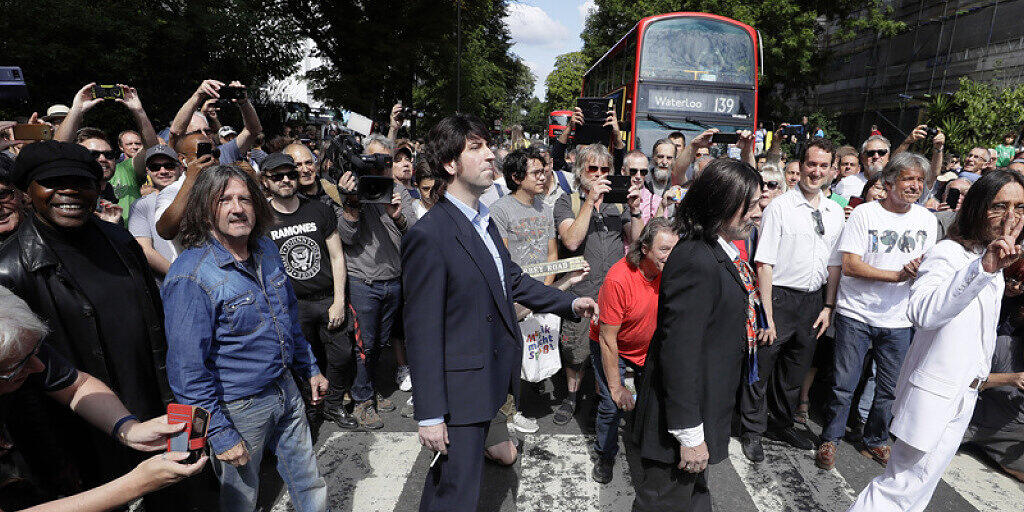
pixel 694 436
pixel 790 243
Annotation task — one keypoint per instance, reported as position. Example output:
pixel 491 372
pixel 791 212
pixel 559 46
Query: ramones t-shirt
pixel 301 237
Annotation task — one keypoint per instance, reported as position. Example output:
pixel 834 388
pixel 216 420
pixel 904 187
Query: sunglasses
pixel 596 169
pixel 641 170
pixel 772 185
pixel 156 166
pixel 109 155
pixel 819 226
pixel 14 371
pixel 876 152
pixel 292 175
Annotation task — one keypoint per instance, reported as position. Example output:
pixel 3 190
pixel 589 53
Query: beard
pixel 661 174
pixel 873 169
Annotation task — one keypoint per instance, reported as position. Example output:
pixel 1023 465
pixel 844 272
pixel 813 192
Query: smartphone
pixel 193 438
pixel 107 91
pixel 725 138
pixel 204 148
pixel 232 92
pixel 595 110
pixel 953 198
pixel 375 189
pixel 855 201
pixel 619 189
pixel 32 132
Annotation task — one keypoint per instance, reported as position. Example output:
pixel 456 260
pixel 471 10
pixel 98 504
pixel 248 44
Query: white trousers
pixel 911 476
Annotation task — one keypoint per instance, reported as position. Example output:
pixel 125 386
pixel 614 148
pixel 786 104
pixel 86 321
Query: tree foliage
pixel 164 49
pixel 794 56
pixel 565 80
pixel 977 114
pixel 380 51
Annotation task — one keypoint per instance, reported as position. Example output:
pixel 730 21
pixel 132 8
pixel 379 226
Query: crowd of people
pixel 248 274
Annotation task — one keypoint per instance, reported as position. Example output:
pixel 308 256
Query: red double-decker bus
pixel 558 120
pixel 682 71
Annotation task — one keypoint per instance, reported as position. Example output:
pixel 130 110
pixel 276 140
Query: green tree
pixel 565 80
pixel 793 53
pixel 977 114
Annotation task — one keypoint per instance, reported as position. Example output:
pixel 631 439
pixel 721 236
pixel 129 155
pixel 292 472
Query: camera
pixel 107 91
pixel 346 155
pixel 409 113
pixel 793 129
pixel 932 132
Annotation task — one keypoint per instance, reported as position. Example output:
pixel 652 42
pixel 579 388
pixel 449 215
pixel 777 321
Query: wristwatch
pixel 635 215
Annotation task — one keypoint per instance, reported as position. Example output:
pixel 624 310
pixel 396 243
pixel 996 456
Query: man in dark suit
pixel 695 362
pixel 463 341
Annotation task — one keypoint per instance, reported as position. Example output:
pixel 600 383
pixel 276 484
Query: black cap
pixel 49 158
pixel 275 160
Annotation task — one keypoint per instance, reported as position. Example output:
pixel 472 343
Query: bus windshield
pixel 697 49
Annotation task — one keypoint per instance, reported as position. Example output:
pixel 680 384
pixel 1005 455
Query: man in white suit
pixel 954 306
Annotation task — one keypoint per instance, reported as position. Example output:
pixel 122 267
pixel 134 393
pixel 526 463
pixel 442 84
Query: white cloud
pixel 531 25
pixel 585 8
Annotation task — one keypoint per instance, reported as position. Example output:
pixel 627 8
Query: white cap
pixel 226 130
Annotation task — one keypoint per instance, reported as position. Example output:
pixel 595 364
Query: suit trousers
pixel 911 476
pixel 666 488
pixel 782 365
pixel 453 484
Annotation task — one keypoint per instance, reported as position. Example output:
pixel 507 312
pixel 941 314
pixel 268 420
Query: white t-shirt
pixel 493 194
pixel 851 186
pixel 886 241
pixel 142 223
pixel 164 199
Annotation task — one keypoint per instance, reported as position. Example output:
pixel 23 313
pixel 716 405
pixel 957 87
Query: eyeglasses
pixel 819 226
pixel 292 175
pixel 598 169
pixel 772 185
pixel 109 155
pixel 14 371
pixel 876 152
pixel 156 166
pixel 634 170
pixel 1000 209
pixel 536 173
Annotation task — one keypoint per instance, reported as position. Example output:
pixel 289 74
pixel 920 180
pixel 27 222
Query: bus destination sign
pixel 683 100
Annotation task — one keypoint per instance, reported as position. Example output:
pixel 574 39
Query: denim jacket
pixel 230 332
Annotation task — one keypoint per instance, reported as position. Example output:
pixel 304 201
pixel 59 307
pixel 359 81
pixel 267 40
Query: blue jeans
pixel 606 422
pixel 275 417
pixel 867 395
pixel 376 305
pixel 853 339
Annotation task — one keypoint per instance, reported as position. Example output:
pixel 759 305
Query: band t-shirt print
pixel 301 237
pixel 887 241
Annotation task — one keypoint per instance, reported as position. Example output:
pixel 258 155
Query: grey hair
pixel 864 146
pixel 16 321
pixel 589 152
pixel 770 172
pixel 901 162
pixel 379 139
pixel 646 239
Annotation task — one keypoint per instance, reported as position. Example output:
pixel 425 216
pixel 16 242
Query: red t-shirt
pixel 629 300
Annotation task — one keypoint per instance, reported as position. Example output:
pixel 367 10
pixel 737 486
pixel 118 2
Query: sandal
pixel 801 412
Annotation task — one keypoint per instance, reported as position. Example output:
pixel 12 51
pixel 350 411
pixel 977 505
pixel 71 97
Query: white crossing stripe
pixel 788 480
pixel 365 471
pixel 982 486
pixel 555 476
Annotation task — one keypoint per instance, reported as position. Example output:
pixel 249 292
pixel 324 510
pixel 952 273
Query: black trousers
pixel 782 365
pixel 666 488
pixel 333 349
pixel 454 481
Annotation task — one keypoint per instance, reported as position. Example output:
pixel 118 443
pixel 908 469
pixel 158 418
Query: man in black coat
pixel 88 279
pixel 695 362
pixel 462 338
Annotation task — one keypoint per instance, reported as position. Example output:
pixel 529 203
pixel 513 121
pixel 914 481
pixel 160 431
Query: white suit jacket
pixel 954 306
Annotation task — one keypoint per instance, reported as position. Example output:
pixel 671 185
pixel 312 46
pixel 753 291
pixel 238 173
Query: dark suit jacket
pixel 695 359
pixel 462 339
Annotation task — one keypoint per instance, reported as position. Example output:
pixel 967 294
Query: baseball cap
pixel 49 159
pixel 226 130
pixel 404 148
pixel 947 176
pixel 275 160
pixel 161 149
pixel 56 111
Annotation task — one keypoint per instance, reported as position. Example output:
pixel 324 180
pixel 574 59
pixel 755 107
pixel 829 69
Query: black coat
pixel 463 341
pixel 30 269
pixel 696 355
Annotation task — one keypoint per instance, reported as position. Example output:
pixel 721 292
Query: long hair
pixel 724 188
pixel 970 228
pixel 646 240
pixel 201 209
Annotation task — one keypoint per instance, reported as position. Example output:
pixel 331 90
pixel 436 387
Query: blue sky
pixel 544 29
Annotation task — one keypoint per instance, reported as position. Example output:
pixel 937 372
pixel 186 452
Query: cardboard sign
pixel 539 270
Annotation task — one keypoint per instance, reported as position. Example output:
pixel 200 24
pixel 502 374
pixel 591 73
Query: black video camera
pixel 346 155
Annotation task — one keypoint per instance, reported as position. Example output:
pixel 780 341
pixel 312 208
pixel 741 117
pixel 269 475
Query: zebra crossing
pixel 384 471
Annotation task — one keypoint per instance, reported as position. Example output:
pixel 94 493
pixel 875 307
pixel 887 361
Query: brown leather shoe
pixel 879 454
pixel 825 458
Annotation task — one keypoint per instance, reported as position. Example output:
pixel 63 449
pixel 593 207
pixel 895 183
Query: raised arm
pixel 206 90
pixel 687 155
pixel 251 122
pixel 80 104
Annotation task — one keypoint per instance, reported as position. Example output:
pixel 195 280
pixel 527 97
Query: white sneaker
pixel 523 424
pixel 403 378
